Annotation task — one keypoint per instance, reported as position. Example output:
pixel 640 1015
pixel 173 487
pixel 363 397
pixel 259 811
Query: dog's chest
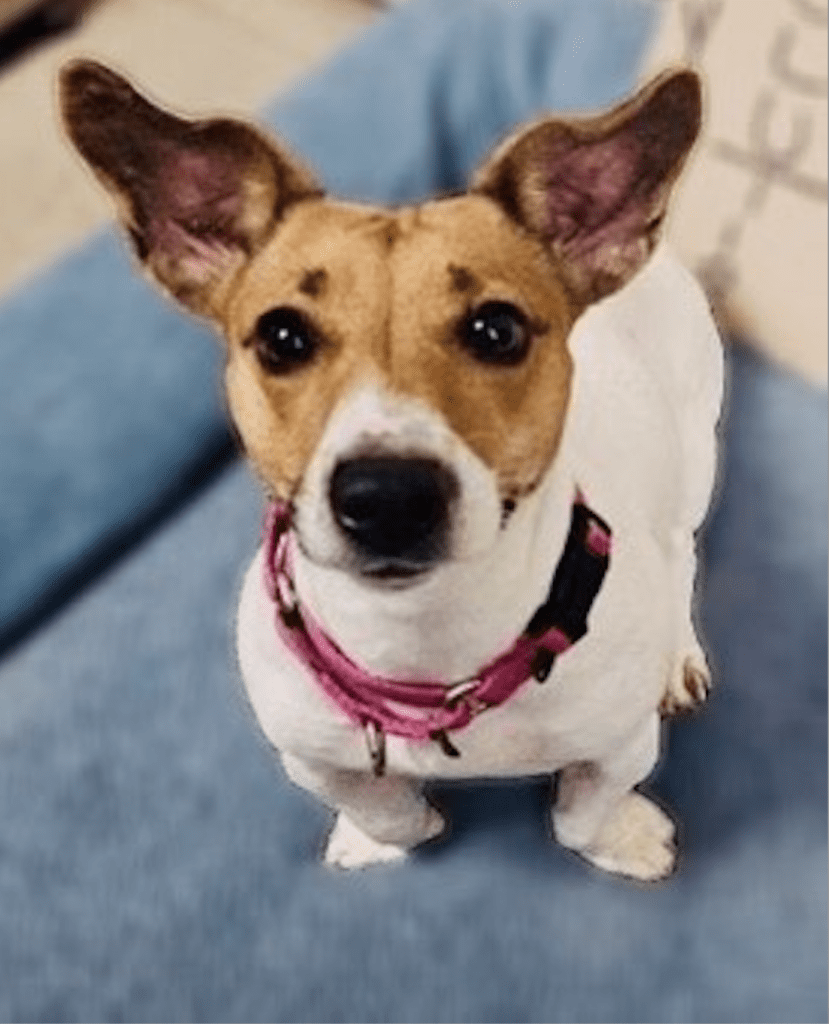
pixel 597 692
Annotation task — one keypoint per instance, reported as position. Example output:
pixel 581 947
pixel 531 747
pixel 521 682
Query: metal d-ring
pixel 459 690
pixel 376 742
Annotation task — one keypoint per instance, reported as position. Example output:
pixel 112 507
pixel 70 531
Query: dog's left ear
pixel 596 189
pixel 198 198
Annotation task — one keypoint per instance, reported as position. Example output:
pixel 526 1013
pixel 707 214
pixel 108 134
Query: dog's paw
pixel 349 847
pixel 637 841
pixel 689 684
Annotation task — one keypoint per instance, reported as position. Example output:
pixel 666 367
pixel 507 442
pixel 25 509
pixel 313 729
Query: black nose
pixel 393 507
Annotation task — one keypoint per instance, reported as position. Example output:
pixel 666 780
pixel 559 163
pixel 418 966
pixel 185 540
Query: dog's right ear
pixel 198 198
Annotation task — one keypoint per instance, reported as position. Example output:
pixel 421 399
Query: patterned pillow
pixel 750 216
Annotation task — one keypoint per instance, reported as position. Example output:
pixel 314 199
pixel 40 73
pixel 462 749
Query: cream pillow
pixel 750 215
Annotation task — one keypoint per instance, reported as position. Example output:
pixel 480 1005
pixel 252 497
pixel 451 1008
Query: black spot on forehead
pixel 313 282
pixel 463 280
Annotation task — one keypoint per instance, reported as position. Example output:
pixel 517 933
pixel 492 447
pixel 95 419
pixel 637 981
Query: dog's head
pixel 401 376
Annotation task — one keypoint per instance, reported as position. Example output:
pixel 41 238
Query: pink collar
pixel 430 709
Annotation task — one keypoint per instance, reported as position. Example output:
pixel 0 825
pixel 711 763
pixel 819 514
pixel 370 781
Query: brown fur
pixel 233 226
pixel 375 326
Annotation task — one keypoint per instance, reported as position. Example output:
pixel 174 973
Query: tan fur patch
pixel 235 226
pixel 397 285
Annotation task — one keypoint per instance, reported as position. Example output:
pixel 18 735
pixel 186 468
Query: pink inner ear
pixel 592 193
pixel 200 182
pixel 195 206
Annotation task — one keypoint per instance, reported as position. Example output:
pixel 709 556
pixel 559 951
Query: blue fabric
pixel 109 399
pixel 411 109
pixel 109 415
pixel 155 864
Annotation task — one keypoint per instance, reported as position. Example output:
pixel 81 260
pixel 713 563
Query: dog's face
pixel 401 376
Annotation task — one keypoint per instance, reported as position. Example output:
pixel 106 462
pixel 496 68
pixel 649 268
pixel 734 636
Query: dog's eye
pixel 284 340
pixel 496 332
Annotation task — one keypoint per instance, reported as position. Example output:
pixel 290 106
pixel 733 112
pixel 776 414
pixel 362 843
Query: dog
pixel 486 425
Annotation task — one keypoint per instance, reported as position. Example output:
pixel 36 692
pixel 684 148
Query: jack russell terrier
pixel 486 426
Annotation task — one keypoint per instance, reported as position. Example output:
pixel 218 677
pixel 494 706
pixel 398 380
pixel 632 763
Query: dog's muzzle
pixel 395 511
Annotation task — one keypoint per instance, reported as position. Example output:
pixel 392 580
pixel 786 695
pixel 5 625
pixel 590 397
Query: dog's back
pixel 647 395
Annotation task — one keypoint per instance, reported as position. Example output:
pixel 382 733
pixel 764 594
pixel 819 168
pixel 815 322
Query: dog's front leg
pixel 378 819
pixel 601 817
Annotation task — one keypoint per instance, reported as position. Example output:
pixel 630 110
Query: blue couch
pixel 155 864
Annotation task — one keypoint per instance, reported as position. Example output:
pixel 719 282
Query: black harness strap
pixel 576 582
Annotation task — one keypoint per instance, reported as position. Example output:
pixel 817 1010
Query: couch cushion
pixel 110 415
pixel 412 107
pixel 155 864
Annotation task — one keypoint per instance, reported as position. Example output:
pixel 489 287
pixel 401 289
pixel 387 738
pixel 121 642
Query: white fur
pixel 370 419
pixel 639 440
